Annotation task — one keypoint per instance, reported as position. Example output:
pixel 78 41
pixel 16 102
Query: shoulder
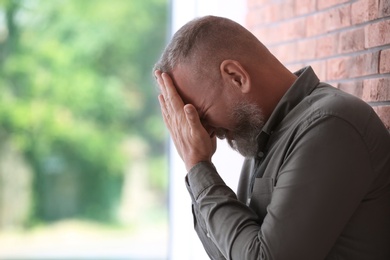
pixel 326 101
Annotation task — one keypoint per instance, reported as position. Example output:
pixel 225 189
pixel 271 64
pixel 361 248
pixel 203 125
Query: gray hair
pixel 205 42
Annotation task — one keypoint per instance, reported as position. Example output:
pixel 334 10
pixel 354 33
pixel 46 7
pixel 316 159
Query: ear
pixel 233 72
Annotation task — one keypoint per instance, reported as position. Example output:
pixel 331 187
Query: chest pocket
pixel 261 196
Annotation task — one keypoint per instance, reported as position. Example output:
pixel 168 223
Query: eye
pixel 202 117
pixel 203 121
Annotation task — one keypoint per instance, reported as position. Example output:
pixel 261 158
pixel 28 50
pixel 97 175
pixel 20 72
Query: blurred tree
pixel 75 82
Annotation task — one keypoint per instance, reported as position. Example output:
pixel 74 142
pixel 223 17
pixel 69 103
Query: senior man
pixel 315 183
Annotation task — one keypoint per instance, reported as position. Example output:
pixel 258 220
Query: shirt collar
pixel 305 83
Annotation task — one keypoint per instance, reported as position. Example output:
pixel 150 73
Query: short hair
pixel 205 42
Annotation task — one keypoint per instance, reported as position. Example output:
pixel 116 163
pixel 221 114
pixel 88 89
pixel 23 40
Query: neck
pixel 272 84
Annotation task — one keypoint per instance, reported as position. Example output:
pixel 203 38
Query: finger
pixel 162 104
pixel 193 118
pixel 171 97
pixel 157 73
pixel 164 112
pixel 169 87
pixel 160 81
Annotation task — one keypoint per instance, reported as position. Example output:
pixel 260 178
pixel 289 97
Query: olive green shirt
pixel 318 189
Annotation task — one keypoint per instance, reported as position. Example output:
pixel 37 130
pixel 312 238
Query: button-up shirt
pixel 318 189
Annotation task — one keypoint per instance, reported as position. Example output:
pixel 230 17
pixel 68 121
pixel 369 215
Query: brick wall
pixel 346 42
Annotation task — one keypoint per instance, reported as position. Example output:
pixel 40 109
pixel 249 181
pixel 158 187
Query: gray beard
pixel 250 121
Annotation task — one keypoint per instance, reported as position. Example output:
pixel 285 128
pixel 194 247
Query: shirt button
pixel 208 234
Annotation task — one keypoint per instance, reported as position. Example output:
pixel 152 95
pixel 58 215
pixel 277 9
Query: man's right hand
pixel 191 139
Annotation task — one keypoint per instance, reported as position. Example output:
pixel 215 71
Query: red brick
pixel 286 53
pixel 363 65
pixel 272 13
pixel 255 3
pixel 327 45
pixel 281 32
pixel 384 61
pixel 384 114
pixel 337 18
pixel 336 68
pixel 253 19
pixel 377 34
pixel 376 90
pixel 306 49
pixel 319 68
pixel 364 10
pixel 266 35
pixel 272 35
pixel 352 87
pixel 351 41
pixel 304 7
pixel 384 8
pixel 287 9
pixel 323 4
pixel 295 29
pixel 315 24
pixel 351 67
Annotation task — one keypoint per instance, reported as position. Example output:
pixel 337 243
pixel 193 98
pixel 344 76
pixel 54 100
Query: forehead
pixel 190 89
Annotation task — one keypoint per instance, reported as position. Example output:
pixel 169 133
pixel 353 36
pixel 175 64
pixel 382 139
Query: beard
pixel 249 122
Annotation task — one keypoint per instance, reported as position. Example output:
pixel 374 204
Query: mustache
pixel 221 133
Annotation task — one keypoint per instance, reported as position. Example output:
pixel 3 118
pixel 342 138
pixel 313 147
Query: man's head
pixel 205 42
pixel 225 72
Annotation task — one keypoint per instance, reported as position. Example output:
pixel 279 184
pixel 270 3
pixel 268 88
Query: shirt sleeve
pixel 324 176
pixel 209 193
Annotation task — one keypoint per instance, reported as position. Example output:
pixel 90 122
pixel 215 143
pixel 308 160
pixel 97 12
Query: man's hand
pixel 191 139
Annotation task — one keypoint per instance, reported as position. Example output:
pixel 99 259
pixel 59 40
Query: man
pixel 316 180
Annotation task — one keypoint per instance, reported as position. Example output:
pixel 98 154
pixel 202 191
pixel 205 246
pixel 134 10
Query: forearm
pixel 220 219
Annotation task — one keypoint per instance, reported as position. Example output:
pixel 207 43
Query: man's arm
pixel 315 196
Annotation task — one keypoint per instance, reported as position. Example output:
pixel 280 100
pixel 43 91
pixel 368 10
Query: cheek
pixel 219 115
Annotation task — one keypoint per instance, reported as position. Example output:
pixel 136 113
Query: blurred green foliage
pixel 75 84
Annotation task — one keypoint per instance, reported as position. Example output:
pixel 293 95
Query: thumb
pixel 192 116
